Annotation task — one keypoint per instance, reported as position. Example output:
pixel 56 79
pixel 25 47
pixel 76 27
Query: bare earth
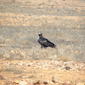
pixel 37 72
pixel 22 61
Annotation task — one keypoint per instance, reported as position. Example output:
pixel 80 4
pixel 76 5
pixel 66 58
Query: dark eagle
pixel 45 42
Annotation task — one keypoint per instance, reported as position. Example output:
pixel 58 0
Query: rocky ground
pixel 38 72
pixel 22 61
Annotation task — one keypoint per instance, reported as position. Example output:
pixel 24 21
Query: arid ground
pixel 22 61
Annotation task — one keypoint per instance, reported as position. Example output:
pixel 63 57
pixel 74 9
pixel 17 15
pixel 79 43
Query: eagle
pixel 44 42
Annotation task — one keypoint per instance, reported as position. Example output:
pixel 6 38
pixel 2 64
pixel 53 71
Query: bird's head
pixel 40 34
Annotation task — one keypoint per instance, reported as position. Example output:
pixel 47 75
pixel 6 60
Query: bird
pixel 44 42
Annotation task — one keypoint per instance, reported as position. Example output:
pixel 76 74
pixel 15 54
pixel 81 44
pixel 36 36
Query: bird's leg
pixel 42 46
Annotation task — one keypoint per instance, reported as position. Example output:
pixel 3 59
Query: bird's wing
pixel 43 41
pixel 50 43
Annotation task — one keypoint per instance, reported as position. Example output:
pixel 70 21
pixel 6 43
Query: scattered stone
pixel 53 80
pixel 45 82
pixel 14 83
pixel 67 68
pixel 29 65
pixel 36 83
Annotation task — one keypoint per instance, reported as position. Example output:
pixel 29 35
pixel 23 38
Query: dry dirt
pixel 22 61
pixel 37 72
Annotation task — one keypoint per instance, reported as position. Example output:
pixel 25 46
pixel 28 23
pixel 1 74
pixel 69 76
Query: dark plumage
pixel 45 42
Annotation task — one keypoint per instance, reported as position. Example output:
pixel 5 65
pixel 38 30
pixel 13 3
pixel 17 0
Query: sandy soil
pixel 22 62
pixel 38 72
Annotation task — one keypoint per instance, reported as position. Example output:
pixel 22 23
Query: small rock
pixel 36 83
pixel 29 65
pixel 67 68
pixel 45 82
pixel 53 80
pixel 56 80
pixel 14 83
